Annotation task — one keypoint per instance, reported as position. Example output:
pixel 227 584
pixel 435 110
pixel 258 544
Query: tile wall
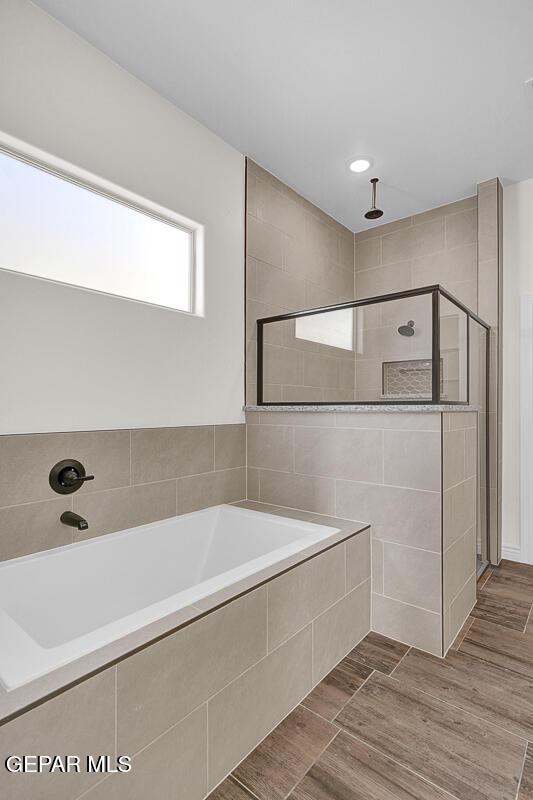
pixel 461 519
pixel 140 476
pixel 380 468
pixel 437 246
pixel 190 707
pixel 297 257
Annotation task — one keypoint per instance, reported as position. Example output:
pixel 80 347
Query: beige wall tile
pixel 33 527
pixel 79 721
pixel 252 483
pixel 161 684
pixel 301 594
pixel 230 446
pixel 459 565
pixel 367 253
pixel 271 446
pixel 382 280
pixel 264 242
pixel 408 624
pixel 377 566
pixel 381 230
pixel 278 289
pixel 268 691
pixel 160 453
pixel 461 228
pixel 353 454
pixel 357 559
pixel 471 452
pixel 404 516
pixel 446 267
pixel 320 370
pixel 413 459
pixel 282 365
pixel 455 420
pixel 118 509
pixel 459 511
pixel 419 240
pixel 412 576
pixel 453 457
pixel 322 419
pixel 171 768
pixel 339 629
pixel 461 607
pixel 298 491
pixel 211 489
pixel 105 454
pixel 389 421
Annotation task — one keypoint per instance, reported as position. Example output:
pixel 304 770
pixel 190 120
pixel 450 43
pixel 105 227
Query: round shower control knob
pixel 67 476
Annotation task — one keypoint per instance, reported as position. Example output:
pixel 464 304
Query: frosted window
pixel 334 328
pixel 54 229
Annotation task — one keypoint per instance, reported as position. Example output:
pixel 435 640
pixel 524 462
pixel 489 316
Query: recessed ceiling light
pixel 360 165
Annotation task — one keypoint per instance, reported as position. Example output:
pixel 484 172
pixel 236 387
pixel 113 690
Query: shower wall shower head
pixel 407 330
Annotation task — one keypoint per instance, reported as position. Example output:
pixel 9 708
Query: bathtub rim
pixel 17 701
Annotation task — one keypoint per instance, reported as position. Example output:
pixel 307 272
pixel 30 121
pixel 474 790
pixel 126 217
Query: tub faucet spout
pixel 74 520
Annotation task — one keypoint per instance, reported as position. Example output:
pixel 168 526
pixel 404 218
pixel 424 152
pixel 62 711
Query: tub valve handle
pixel 68 476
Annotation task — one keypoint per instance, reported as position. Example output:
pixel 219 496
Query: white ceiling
pixel 433 90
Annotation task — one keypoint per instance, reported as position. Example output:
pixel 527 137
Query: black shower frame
pixel 436 291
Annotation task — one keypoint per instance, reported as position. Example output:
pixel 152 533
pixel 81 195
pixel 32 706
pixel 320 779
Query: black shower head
pixel 407 330
pixel 373 212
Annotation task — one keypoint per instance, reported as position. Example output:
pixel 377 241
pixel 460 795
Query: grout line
pixel 411 605
pixel 352 697
pixel 399 763
pixel 528 618
pixel 521 774
pixel 314 761
pixel 399 662
pixel 234 778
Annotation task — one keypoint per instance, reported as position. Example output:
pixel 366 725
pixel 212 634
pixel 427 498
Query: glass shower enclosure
pixel 416 347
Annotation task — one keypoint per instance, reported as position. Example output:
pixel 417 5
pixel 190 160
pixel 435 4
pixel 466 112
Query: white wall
pixel 518 281
pixel 71 359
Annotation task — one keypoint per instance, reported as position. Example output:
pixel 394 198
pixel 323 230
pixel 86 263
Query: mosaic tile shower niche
pixel 408 379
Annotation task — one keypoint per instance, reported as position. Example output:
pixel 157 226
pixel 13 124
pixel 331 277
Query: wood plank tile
pixel 484 578
pixel 349 770
pixel 516 568
pixel 493 608
pixel 274 768
pixel 378 652
pixel 501 646
pixel 334 691
pixel 526 784
pixel 230 790
pixel 510 586
pixel 494 694
pixel 458 752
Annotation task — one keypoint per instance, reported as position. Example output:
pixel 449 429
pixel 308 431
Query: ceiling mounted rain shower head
pixel 407 330
pixel 373 212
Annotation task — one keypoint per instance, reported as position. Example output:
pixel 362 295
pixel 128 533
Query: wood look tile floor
pixel 393 723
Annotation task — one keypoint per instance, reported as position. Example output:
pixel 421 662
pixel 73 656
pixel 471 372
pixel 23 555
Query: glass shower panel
pixel 310 358
pixel 393 350
pixel 453 352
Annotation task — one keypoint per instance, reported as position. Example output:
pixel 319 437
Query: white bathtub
pixel 61 604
